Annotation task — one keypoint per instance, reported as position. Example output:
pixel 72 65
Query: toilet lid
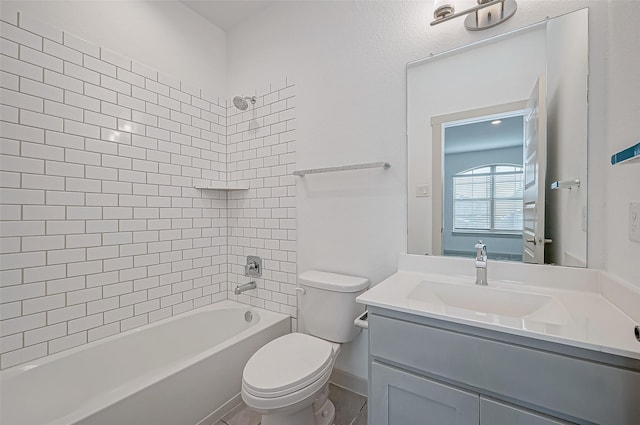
pixel 287 364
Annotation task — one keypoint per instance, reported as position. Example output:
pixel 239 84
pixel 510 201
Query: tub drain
pixel 248 316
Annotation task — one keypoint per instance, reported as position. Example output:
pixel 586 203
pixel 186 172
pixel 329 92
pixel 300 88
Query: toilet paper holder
pixel 362 321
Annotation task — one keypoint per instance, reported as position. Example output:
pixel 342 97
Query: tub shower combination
pixel 183 370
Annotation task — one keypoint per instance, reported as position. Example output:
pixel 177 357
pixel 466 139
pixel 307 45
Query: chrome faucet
pixel 481 263
pixel 246 287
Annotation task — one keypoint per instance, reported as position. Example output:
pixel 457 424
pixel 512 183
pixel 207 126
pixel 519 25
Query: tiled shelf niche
pixel 223 186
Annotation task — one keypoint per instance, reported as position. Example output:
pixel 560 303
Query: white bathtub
pixel 184 370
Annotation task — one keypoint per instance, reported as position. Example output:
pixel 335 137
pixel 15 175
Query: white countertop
pixel 581 315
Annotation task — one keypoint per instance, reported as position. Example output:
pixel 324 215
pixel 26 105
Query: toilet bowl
pixel 287 379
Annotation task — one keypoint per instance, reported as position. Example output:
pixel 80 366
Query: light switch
pixel 423 191
pixel 634 221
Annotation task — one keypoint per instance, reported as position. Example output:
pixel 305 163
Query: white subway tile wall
pixel 101 228
pixel 262 220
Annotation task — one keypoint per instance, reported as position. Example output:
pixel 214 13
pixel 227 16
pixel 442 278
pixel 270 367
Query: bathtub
pixel 185 370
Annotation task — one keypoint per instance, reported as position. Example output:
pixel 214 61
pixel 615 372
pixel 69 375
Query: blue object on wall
pixel 626 155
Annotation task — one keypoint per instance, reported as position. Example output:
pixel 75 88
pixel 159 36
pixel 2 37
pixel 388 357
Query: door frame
pixel 438 124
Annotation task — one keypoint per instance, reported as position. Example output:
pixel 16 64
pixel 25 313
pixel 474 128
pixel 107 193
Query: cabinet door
pixel 495 413
pixel 401 398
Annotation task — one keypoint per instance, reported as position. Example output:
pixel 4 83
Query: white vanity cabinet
pixel 434 372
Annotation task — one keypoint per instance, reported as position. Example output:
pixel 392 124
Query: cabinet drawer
pixel 495 413
pixel 549 382
pixel 402 398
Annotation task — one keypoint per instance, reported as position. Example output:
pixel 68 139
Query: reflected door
pixel 535 160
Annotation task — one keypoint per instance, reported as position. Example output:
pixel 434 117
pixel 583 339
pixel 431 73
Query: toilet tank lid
pixel 332 281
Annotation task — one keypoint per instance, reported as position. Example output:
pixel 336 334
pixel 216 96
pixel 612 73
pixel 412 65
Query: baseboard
pixel 219 413
pixel 349 382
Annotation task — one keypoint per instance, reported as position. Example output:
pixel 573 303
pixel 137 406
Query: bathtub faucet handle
pixel 253 267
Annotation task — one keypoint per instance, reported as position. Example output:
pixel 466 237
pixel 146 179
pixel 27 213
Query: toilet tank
pixel 328 304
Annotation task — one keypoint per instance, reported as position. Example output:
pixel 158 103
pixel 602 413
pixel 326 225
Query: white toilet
pixel 287 379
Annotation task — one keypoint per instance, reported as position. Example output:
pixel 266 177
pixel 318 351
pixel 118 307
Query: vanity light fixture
pixel 487 14
pixel 496 122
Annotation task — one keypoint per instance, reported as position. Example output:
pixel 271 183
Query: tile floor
pixel 351 409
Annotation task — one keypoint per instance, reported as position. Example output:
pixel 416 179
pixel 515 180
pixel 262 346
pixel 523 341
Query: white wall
pixel 349 61
pixel 623 118
pixel 165 35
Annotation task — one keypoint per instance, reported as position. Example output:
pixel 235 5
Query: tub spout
pixel 246 287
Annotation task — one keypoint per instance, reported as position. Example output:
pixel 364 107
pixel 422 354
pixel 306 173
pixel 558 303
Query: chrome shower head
pixel 241 102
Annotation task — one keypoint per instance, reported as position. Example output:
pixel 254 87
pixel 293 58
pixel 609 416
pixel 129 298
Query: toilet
pixel 287 380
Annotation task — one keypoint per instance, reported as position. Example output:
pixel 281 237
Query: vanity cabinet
pixel 435 372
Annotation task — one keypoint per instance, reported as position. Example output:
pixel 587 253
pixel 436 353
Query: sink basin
pixel 481 299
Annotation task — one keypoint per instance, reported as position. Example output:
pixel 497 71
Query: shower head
pixel 241 102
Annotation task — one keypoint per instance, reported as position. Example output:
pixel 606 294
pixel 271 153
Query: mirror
pixel 497 146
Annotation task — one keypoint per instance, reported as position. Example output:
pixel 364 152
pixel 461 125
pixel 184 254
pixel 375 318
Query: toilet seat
pixel 288 402
pixel 286 365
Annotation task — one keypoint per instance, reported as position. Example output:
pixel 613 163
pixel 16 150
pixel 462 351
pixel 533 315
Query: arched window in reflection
pixel 488 199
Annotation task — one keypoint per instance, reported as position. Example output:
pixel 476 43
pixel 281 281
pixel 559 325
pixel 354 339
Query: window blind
pixel 488 198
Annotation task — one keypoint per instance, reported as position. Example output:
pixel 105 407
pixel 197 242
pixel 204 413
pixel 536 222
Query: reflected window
pixel 488 199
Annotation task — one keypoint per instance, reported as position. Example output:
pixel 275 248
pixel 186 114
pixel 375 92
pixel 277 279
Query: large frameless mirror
pixel 497 146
